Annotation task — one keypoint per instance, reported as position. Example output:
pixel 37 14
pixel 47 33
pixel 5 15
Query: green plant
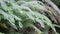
pixel 26 17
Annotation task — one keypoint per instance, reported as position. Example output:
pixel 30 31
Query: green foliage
pixel 1 33
pixel 57 2
pixel 22 14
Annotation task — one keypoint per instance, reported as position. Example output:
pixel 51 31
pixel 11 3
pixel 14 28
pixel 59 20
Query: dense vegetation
pixel 28 17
